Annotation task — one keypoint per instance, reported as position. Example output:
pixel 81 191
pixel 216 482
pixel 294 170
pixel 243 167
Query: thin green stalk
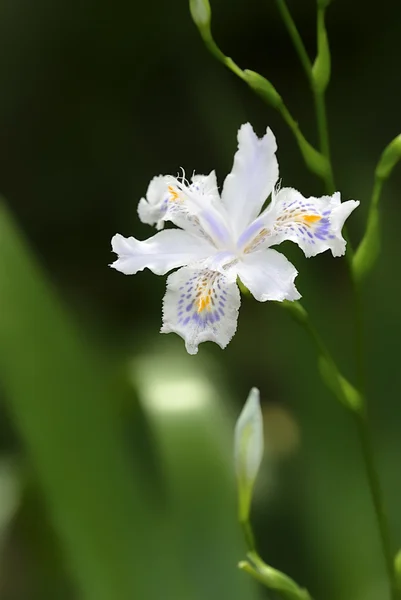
pixel 267 575
pixel 365 440
pixel 317 92
pixel 249 536
pixel 296 38
pixel 314 160
pixel 361 416
pixel 377 499
pixel 324 140
pixel 319 76
pixel 217 53
pixel 376 193
pixel 369 248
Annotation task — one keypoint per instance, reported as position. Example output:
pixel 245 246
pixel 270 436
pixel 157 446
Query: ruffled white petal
pixel 268 275
pixel 313 223
pixel 200 305
pixel 206 185
pixel 197 208
pixel 338 216
pixel 164 251
pixel 252 179
pixel 152 209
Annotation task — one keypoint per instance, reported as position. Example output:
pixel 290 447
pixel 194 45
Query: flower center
pixel 173 193
pixel 311 218
pixel 204 292
pixel 204 302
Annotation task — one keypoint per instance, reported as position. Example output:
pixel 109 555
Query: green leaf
pixel 321 69
pixel 65 409
pixel 340 386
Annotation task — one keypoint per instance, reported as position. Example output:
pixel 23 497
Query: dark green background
pixel 98 97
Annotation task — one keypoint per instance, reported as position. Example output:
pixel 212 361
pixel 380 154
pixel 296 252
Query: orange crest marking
pixel 311 218
pixel 204 302
pixel 173 193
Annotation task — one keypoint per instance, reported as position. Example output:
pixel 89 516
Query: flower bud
pixel 368 250
pixel 389 158
pixel 248 451
pixel 314 160
pixel 321 69
pixel 339 386
pixel 263 88
pixel 272 578
pixel 201 14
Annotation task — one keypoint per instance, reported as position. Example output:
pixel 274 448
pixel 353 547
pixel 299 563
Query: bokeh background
pixel 116 477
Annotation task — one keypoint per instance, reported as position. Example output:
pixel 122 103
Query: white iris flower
pixel 220 238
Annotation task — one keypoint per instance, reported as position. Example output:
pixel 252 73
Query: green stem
pixel 324 140
pixel 217 53
pixel 377 499
pixel 296 38
pixel 365 440
pixel 376 193
pixel 360 415
pixel 249 536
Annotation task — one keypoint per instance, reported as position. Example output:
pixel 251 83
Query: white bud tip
pixel 248 443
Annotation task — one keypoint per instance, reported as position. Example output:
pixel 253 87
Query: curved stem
pixel 248 535
pixel 360 415
pixel 324 140
pixel 361 419
pixel 296 38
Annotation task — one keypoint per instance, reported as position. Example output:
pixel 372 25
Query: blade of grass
pixel 63 405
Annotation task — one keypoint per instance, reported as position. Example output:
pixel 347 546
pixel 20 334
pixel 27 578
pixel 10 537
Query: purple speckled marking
pixel 209 318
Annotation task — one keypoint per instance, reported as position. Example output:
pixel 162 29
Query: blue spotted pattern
pixel 202 300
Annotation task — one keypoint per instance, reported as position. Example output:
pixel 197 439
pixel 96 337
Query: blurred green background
pixel 116 478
